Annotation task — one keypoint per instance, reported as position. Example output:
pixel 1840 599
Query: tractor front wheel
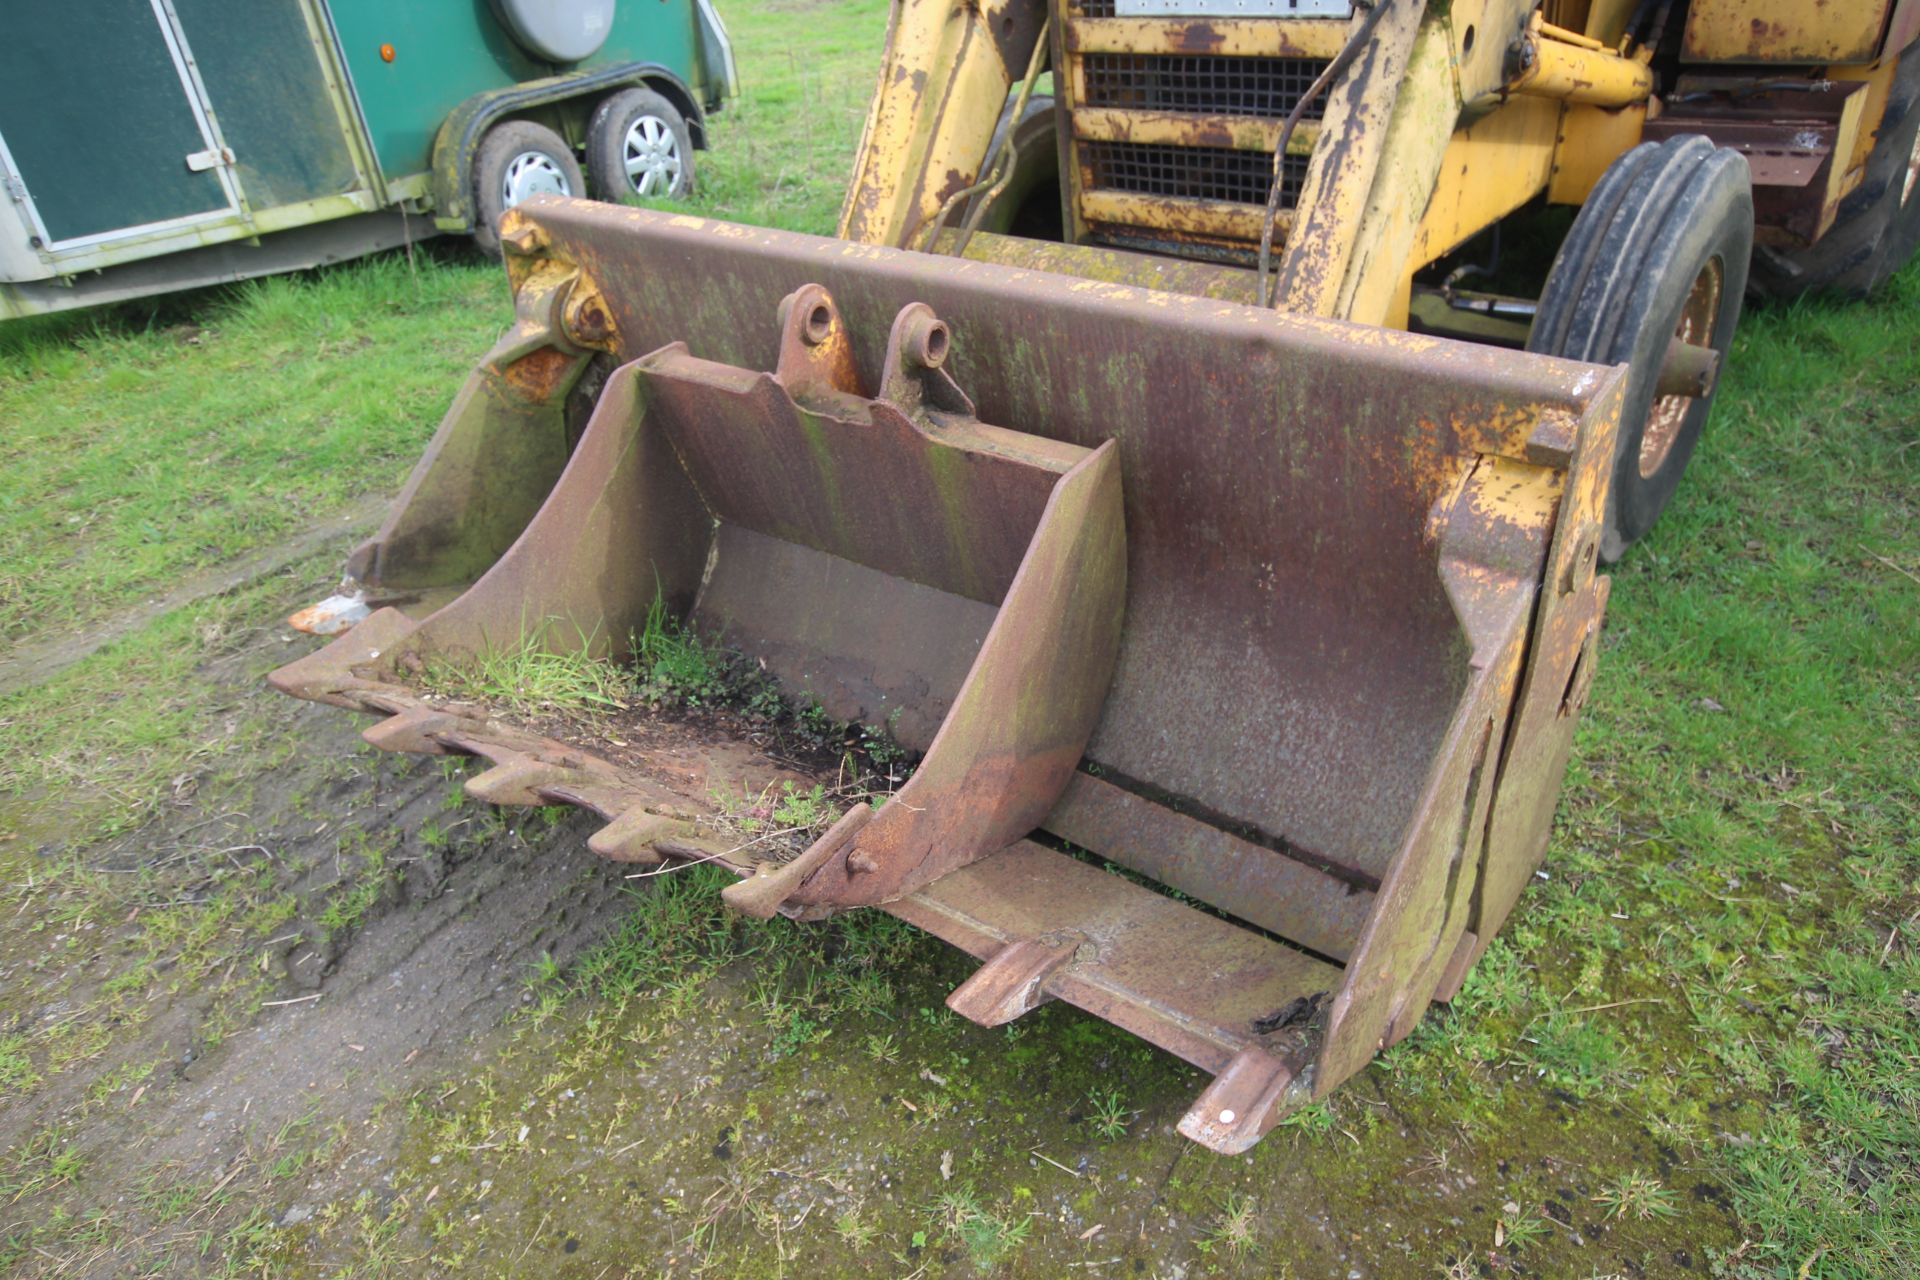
pixel 1651 276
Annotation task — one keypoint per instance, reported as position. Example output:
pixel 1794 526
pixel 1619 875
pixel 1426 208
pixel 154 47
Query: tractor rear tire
pixel 1659 251
pixel 1877 227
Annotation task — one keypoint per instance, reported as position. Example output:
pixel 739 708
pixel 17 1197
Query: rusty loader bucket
pixel 1291 616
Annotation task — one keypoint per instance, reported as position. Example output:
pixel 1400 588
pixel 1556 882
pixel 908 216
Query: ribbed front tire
pixel 1659 252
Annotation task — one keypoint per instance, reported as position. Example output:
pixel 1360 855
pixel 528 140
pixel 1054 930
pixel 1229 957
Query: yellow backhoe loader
pixel 1230 569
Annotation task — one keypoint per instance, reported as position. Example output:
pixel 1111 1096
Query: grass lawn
pixel 1694 1050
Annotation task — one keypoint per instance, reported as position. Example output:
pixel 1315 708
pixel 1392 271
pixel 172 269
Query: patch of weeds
pixel 794 1029
pixel 989 1238
pixel 1575 1051
pixel 1637 1195
pixel 1519 1229
pixel 1107 1115
pixel 853 1227
pixel 17 1073
pixel 126 1076
pixel 803 810
pixel 675 667
pixel 677 932
pixel 358 888
pixel 543 674
pixel 738 1190
pixel 46 1160
pixel 1315 1118
pixel 882 1048
pixel 1233 1230
pixel 937 1017
pixel 866 992
pixel 546 970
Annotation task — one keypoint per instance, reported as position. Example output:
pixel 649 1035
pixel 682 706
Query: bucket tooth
pixel 773 883
pixel 520 781
pixel 1013 982
pixel 416 729
pixel 1243 1102
pixel 635 835
pixel 328 674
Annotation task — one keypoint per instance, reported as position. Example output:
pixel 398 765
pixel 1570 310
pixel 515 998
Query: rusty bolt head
pixel 588 323
pixel 860 861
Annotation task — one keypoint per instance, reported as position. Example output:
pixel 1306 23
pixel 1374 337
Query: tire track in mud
pixel 420 981
pixel 413 988
pixel 39 659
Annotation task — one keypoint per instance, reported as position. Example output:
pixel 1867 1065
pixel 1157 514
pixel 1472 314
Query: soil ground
pixel 415 1094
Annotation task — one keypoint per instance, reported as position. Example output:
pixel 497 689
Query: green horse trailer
pixel 151 145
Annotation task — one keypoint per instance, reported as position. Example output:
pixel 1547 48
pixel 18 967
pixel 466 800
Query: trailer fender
pixel 459 137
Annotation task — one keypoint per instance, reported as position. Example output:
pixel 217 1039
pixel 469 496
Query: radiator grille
pixel 1206 173
pixel 1265 87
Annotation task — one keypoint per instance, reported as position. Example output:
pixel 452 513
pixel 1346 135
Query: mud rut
pixel 405 994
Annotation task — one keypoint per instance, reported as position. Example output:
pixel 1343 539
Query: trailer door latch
pixel 211 158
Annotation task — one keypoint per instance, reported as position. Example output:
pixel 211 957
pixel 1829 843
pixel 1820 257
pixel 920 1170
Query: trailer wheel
pixel 638 145
pixel 1877 226
pixel 516 160
pixel 1659 252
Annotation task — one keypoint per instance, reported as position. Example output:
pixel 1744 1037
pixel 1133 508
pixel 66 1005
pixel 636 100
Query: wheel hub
pixel 1697 317
pixel 532 173
pixel 651 155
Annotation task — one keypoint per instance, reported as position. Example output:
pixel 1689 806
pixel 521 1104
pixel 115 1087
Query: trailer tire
pixel 515 160
pixel 637 138
pixel 1877 226
pixel 1660 250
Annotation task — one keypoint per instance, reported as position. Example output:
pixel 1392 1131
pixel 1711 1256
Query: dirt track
pixel 356 1015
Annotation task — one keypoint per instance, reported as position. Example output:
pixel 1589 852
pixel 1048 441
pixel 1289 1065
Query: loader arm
pixel 1446 120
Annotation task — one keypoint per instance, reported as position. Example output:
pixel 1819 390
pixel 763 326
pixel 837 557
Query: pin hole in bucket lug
pixel 915 378
pixel 819 324
pixel 815 353
pixel 1580 675
pixel 1583 563
pixel 585 318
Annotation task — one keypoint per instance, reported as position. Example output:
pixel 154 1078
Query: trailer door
pixel 102 123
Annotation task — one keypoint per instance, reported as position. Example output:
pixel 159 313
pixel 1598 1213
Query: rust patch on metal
pixel 541 374
pixel 1197 37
